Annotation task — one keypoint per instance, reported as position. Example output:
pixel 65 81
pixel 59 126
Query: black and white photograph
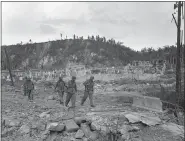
pixel 92 70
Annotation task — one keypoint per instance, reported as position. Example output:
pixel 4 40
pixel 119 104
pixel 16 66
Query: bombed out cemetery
pixel 92 71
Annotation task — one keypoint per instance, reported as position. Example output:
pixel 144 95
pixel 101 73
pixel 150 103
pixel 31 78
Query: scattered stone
pixel 44 135
pixel 144 118
pixel 95 126
pixel 79 134
pixel 44 114
pixel 125 137
pixel 11 122
pixel 25 129
pixel 8 132
pixel 133 118
pixel 105 130
pixel 176 130
pixel 56 127
pixel 71 126
pixel 40 125
pixel 79 120
pixel 52 125
pixel 94 136
pixel 134 129
pixel 85 139
pixel 86 129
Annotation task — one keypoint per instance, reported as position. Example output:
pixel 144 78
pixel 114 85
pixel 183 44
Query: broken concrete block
pixel 149 103
pixel 57 127
pixel 79 134
pixel 40 125
pixel 71 126
pixel 8 122
pixel 94 136
pixel 86 129
pixel 133 118
pixel 95 126
pixel 144 118
pixel 79 120
pixel 25 129
pixel 44 114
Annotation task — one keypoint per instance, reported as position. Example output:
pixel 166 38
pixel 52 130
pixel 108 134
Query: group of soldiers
pixel 69 88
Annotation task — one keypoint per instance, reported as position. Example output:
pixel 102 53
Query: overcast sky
pixel 137 24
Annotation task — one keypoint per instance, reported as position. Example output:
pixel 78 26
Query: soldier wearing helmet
pixel 25 86
pixel 30 88
pixel 60 87
pixel 71 92
pixel 89 89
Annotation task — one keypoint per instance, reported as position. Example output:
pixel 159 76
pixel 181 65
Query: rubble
pixel 8 131
pixel 79 134
pixel 44 114
pixel 144 118
pixel 71 126
pixel 57 127
pixel 9 122
pixel 25 129
pixel 175 129
pixel 86 129
pixel 79 120
pixel 112 116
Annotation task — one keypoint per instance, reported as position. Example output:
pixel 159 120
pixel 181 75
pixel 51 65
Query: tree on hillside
pixel 61 36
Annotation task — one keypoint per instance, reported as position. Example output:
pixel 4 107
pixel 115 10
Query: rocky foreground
pixel 113 119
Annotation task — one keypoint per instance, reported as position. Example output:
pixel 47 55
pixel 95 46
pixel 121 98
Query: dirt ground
pixel 16 106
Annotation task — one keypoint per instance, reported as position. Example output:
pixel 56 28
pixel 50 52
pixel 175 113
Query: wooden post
pixel 184 46
pixel 178 65
pixel 9 67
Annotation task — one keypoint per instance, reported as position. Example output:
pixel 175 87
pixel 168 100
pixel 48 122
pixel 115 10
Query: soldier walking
pixel 60 86
pixel 89 89
pixel 30 88
pixel 25 86
pixel 71 92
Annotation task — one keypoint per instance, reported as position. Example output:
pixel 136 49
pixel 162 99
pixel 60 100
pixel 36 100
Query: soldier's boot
pixel 84 98
pixel 91 99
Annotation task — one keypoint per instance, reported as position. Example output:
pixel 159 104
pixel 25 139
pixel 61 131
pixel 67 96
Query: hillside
pixel 97 52
pixel 57 53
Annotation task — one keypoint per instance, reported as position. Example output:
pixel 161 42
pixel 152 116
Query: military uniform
pixel 71 93
pixel 60 86
pixel 25 86
pixel 89 89
pixel 30 88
